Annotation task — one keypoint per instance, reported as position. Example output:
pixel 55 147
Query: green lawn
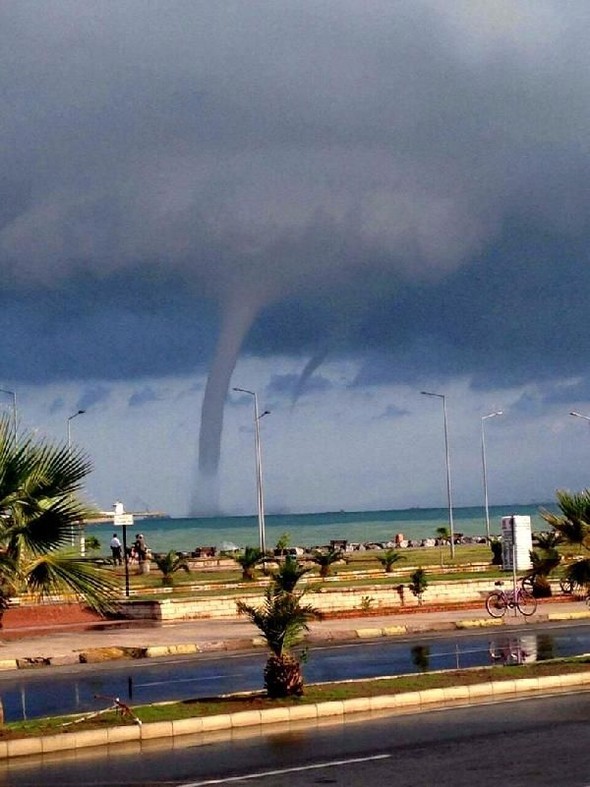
pixel 361 569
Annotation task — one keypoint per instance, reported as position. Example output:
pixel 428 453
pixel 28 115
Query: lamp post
pixel 485 469
pixel 448 466
pixel 14 411
pixel 70 419
pixel 259 485
pixel 579 415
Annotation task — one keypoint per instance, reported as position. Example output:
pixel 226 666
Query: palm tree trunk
pixel 283 677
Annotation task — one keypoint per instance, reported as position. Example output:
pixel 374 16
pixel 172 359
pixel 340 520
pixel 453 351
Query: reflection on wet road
pixel 54 691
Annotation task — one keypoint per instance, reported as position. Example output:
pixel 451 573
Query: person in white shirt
pixel 116 550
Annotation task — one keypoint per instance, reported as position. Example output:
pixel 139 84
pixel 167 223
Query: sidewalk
pixel 51 647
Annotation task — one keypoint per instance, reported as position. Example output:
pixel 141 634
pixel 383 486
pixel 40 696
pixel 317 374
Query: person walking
pixel 116 550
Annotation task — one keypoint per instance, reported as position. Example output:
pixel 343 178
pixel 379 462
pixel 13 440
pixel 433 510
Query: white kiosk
pixel 517 543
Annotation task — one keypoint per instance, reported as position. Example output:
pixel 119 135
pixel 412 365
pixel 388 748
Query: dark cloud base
pixel 516 314
pixel 123 327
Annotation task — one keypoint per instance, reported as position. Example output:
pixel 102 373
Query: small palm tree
pixel 325 560
pixel 281 620
pixel 248 561
pixel 169 564
pixel 572 526
pixel 543 562
pixel 40 511
pixel 389 559
pixel 286 577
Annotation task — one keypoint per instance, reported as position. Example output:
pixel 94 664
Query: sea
pixel 309 530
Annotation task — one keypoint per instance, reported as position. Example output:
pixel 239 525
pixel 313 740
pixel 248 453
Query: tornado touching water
pixel 239 312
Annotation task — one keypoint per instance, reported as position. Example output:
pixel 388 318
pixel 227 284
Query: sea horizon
pixel 185 534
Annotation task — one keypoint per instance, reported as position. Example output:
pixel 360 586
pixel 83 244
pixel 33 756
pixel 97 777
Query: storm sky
pixel 387 197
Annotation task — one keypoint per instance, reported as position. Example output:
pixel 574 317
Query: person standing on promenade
pixel 116 550
pixel 141 552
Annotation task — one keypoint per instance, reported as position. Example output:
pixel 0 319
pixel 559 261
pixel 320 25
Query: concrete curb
pixel 390 703
pixel 569 615
pixel 97 655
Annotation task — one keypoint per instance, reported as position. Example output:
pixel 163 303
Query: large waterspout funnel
pixel 238 315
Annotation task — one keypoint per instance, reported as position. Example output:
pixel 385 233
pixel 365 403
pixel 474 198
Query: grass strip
pixel 314 693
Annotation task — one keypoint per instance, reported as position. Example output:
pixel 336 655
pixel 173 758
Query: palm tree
pixel 572 526
pixel 325 560
pixel 40 512
pixel 281 619
pixel 288 574
pixel 169 564
pixel 389 559
pixel 248 561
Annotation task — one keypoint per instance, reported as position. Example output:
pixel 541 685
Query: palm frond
pixel 40 512
pixel 57 574
pixel 281 618
pixel 578 573
pixel 288 575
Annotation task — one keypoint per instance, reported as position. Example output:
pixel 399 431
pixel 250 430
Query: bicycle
pixel 498 601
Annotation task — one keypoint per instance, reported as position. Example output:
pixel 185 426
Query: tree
pixel 91 544
pixel 169 564
pixel 283 542
pixel 572 526
pixel 418 584
pixel 325 560
pixel 288 574
pixel 389 559
pixel 40 512
pixel 248 561
pixel 281 619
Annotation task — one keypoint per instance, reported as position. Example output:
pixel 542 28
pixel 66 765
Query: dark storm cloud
pixel 93 395
pixel 406 180
pixel 143 396
pixel 118 328
pixel 286 384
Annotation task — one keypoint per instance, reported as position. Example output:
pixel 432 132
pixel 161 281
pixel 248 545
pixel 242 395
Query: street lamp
pixel 259 485
pixel 579 415
pixel 70 419
pixel 448 466
pixel 485 469
pixel 14 411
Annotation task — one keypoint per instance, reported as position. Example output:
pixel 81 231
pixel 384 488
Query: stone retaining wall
pixel 386 597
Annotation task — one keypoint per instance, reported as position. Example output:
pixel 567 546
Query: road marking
pixel 281 771
pixel 186 680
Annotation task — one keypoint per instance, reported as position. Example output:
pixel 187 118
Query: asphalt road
pixel 540 742
pixel 57 690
